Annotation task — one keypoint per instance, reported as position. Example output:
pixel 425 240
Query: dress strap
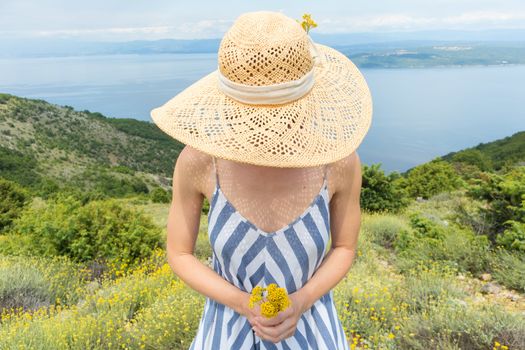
pixel 215 171
pixel 324 171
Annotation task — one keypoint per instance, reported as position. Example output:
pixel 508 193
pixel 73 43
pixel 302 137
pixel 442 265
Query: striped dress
pixel 247 256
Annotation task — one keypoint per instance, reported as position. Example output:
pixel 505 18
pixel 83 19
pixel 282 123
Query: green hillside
pixel 493 155
pixel 440 260
pixel 48 146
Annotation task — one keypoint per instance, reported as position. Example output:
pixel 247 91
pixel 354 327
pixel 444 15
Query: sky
pixel 123 20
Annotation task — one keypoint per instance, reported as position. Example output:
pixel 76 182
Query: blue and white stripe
pixel 247 256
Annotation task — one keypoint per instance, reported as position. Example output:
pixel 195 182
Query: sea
pixel 418 113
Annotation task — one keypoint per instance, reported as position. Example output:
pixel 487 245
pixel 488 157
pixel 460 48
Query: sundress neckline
pixel 218 190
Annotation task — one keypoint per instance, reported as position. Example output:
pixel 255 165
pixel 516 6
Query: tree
pixel 474 157
pixel 429 179
pixel 381 192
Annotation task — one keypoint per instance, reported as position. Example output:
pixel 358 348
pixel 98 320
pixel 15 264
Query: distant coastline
pixel 367 50
pixel 402 56
pixel 462 54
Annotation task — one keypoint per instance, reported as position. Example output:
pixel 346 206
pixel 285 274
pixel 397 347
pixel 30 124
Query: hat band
pixel 267 94
pixel 279 93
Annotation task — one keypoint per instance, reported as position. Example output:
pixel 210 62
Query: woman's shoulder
pixel 341 173
pixel 347 163
pixel 193 167
pixel 193 157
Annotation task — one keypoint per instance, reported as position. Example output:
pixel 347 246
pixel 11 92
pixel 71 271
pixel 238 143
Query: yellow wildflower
pixel 276 299
pixel 272 287
pixel 307 22
pixel 277 296
pixel 268 309
pixel 256 296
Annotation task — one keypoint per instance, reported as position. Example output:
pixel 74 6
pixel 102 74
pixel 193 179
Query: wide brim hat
pixel 276 99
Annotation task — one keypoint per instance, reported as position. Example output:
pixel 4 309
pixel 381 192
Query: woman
pixel 271 143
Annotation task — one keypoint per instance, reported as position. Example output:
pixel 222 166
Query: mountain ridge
pixel 57 47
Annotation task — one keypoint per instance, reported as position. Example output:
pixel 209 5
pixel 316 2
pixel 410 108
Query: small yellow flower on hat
pixel 308 22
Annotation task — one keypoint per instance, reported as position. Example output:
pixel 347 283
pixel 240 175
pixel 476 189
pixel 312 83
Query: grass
pixel 387 301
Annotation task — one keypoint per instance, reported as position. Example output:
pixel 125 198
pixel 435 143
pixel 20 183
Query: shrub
pixel 13 199
pixel 83 196
pixel 474 157
pixel 158 195
pixel 33 282
pixel 505 198
pixel 23 286
pixel 430 283
pixel 100 230
pixel 508 268
pixel 451 245
pixel 4 98
pixel 18 167
pixel 179 311
pixel 454 325
pixel 468 173
pixel 384 229
pixel 513 238
pixel 380 192
pixel 467 212
pixel 46 188
pixel 429 179
pixel 425 227
pixel 123 169
pixel 99 179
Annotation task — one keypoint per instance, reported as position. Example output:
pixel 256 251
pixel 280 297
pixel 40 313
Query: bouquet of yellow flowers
pixel 274 300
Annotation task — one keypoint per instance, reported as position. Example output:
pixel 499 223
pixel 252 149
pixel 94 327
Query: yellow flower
pixel 271 288
pixel 268 310
pixel 258 290
pixel 307 22
pixel 277 296
pixel 256 296
pixel 276 299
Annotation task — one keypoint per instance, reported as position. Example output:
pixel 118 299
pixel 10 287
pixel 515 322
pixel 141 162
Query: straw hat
pixel 277 99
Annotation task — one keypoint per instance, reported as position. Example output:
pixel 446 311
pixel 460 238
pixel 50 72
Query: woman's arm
pixel 345 222
pixel 182 230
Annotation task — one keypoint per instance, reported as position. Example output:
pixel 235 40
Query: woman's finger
pixel 274 332
pixel 278 319
pixel 275 338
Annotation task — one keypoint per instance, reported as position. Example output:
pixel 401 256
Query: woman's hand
pixel 283 325
pixel 250 313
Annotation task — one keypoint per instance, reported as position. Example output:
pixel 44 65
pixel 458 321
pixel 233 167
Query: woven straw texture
pixel 264 48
